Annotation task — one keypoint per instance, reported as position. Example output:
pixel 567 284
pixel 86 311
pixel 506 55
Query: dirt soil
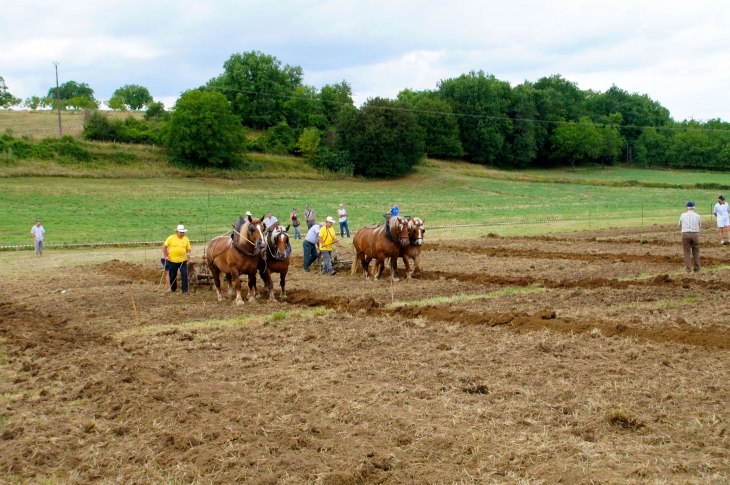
pixel 588 357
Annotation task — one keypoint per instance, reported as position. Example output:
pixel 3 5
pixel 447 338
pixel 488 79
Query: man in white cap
pixel 327 238
pixel 691 223
pixel 177 251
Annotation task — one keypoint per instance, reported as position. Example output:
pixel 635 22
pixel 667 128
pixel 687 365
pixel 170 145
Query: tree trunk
pixel 572 162
pixel 602 165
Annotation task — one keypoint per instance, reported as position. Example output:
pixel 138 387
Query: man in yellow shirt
pixel 327 238
pixel 177 251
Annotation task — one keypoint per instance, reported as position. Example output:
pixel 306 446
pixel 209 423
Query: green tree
pixel 527 135
pixel 382 137
pixel 7 100
pixel 72 89
pixel 335 98
pixel 304 109
pixel 135 97
pixel 155 109
pixel 486 99
pixel 441 131
pixel 116 103
pixel 79 102
pixel 576 141
pixel 203 131
pixel 257 87
pixel 613 142
pixel 308 143
pixel 33 103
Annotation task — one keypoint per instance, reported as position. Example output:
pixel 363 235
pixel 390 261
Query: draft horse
pixel 416 230
pixel 379 243
pixel 236 256
pixel 276 260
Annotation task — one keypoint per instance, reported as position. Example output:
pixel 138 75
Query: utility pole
pixel 58 101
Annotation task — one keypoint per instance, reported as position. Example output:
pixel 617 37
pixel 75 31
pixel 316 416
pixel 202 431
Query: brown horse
pixel 374 242
pixel 416 230
pixel 236 256
pixel 276 260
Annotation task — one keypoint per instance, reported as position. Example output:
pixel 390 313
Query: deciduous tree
pixel 134 96
pixel 7 100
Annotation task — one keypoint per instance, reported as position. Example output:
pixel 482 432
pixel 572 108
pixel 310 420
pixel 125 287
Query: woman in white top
pixel 342 213
pixel 723 221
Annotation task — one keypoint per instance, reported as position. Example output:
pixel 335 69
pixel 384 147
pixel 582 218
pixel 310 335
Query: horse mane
pixel 239 223
pixel 393 223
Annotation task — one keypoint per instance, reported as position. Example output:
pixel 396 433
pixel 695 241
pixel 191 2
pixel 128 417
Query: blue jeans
pixel 183 267
pixel 344 227
pixel 327 266
pixel 297 234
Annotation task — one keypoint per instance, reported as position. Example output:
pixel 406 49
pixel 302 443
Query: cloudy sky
pixel 678 52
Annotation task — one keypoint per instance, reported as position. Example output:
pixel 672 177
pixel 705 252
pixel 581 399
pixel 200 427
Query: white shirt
pixel 721 210
pixel 270 221
pixel 341 213
pixel 38 232
pixel 690 222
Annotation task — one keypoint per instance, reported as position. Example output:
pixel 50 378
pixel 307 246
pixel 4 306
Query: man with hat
pixel 723 221
pixel 690 222
pixel 327 238
pixel 177 251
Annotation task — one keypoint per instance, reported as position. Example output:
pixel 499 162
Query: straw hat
pixel 181 228
pixel 329 219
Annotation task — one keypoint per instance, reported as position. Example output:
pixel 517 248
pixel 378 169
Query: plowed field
pixel 588 357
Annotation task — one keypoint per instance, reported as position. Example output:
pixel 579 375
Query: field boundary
pixel 19 247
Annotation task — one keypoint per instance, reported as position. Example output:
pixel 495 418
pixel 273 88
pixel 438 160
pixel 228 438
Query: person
pixel 327 238
pixel 165 269
pixel 270 222
pixel 233 225
pixel 39 235
pixel 691 223
pixel 723 221
pixel 310 217
pixel 394 210
pixel 342 213
pixel 294 219
pixel 310 246
pixel 177 251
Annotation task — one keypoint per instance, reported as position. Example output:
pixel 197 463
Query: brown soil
pixel 575 379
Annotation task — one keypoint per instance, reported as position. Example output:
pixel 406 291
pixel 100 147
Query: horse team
pixel 252 249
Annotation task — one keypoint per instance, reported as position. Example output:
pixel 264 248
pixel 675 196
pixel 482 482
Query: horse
pixel 416 230
pixel 380 242
pixel 276 260
pixel 237 255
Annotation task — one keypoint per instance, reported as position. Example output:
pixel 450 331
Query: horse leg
pixel 394 269
pixel 216 273
pixel 365 262
pixel 231 289
pixel 408 266
pixel 353 270
pixel 270 285
pixel 417 263
pixel 282 282
pixel 237 283
pixel 379 266
pixel 252 291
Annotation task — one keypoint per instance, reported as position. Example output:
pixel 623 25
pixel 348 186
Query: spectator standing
pixel 310 217
pixel 270 222
pixel 327 238
pixel 342 214
pixel 394 210
pixel 310 246
pixel 39 235
pixel 723 221
pixel 177 251
pixel 294 219
pixel 691 223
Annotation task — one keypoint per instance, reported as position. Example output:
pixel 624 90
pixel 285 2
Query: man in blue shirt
pixel 310 246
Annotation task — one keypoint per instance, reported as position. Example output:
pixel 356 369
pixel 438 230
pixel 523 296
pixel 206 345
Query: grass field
pixel 45 123
pixel 77 210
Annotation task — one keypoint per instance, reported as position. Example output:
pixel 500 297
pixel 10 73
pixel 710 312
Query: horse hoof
pixel 396 279
pixel 239 303
pixel 282 296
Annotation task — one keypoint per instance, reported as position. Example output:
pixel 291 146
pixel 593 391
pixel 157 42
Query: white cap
pixel 329 219
pixel 248 213
pixel 181 228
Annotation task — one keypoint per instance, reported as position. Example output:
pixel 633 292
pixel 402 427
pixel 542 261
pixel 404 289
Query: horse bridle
pixel 256 248
pixel 275 234
pixel 419 226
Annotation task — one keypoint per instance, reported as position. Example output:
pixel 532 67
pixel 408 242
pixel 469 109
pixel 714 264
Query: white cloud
pixel 676 51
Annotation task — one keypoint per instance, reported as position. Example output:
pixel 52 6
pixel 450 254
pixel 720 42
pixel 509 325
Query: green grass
pixel 82 210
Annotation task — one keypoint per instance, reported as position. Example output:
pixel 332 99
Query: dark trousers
pixel 691 248
pixel 310 254
pixel 183 267
pixel 344 227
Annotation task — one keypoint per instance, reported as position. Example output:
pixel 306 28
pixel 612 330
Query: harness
pixel 270 253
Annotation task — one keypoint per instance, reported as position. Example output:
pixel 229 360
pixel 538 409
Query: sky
pixel 677 52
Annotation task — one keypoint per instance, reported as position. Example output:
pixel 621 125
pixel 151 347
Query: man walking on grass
pixel 691 223
pixel 723 221
pixel 39 234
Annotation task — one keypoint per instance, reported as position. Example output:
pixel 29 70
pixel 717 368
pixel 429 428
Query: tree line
pixel 474 117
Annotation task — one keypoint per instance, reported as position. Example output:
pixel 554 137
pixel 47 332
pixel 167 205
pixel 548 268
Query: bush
pixel 67 147
pixel 335 160
pixel 100 127
pixel 47 148
pixel 203 131
pixel 280 139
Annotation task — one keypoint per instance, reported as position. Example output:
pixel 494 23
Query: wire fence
pixel 587 220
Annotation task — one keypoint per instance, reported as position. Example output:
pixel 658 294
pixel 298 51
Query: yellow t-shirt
pixel 328 236
pixel 178 248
